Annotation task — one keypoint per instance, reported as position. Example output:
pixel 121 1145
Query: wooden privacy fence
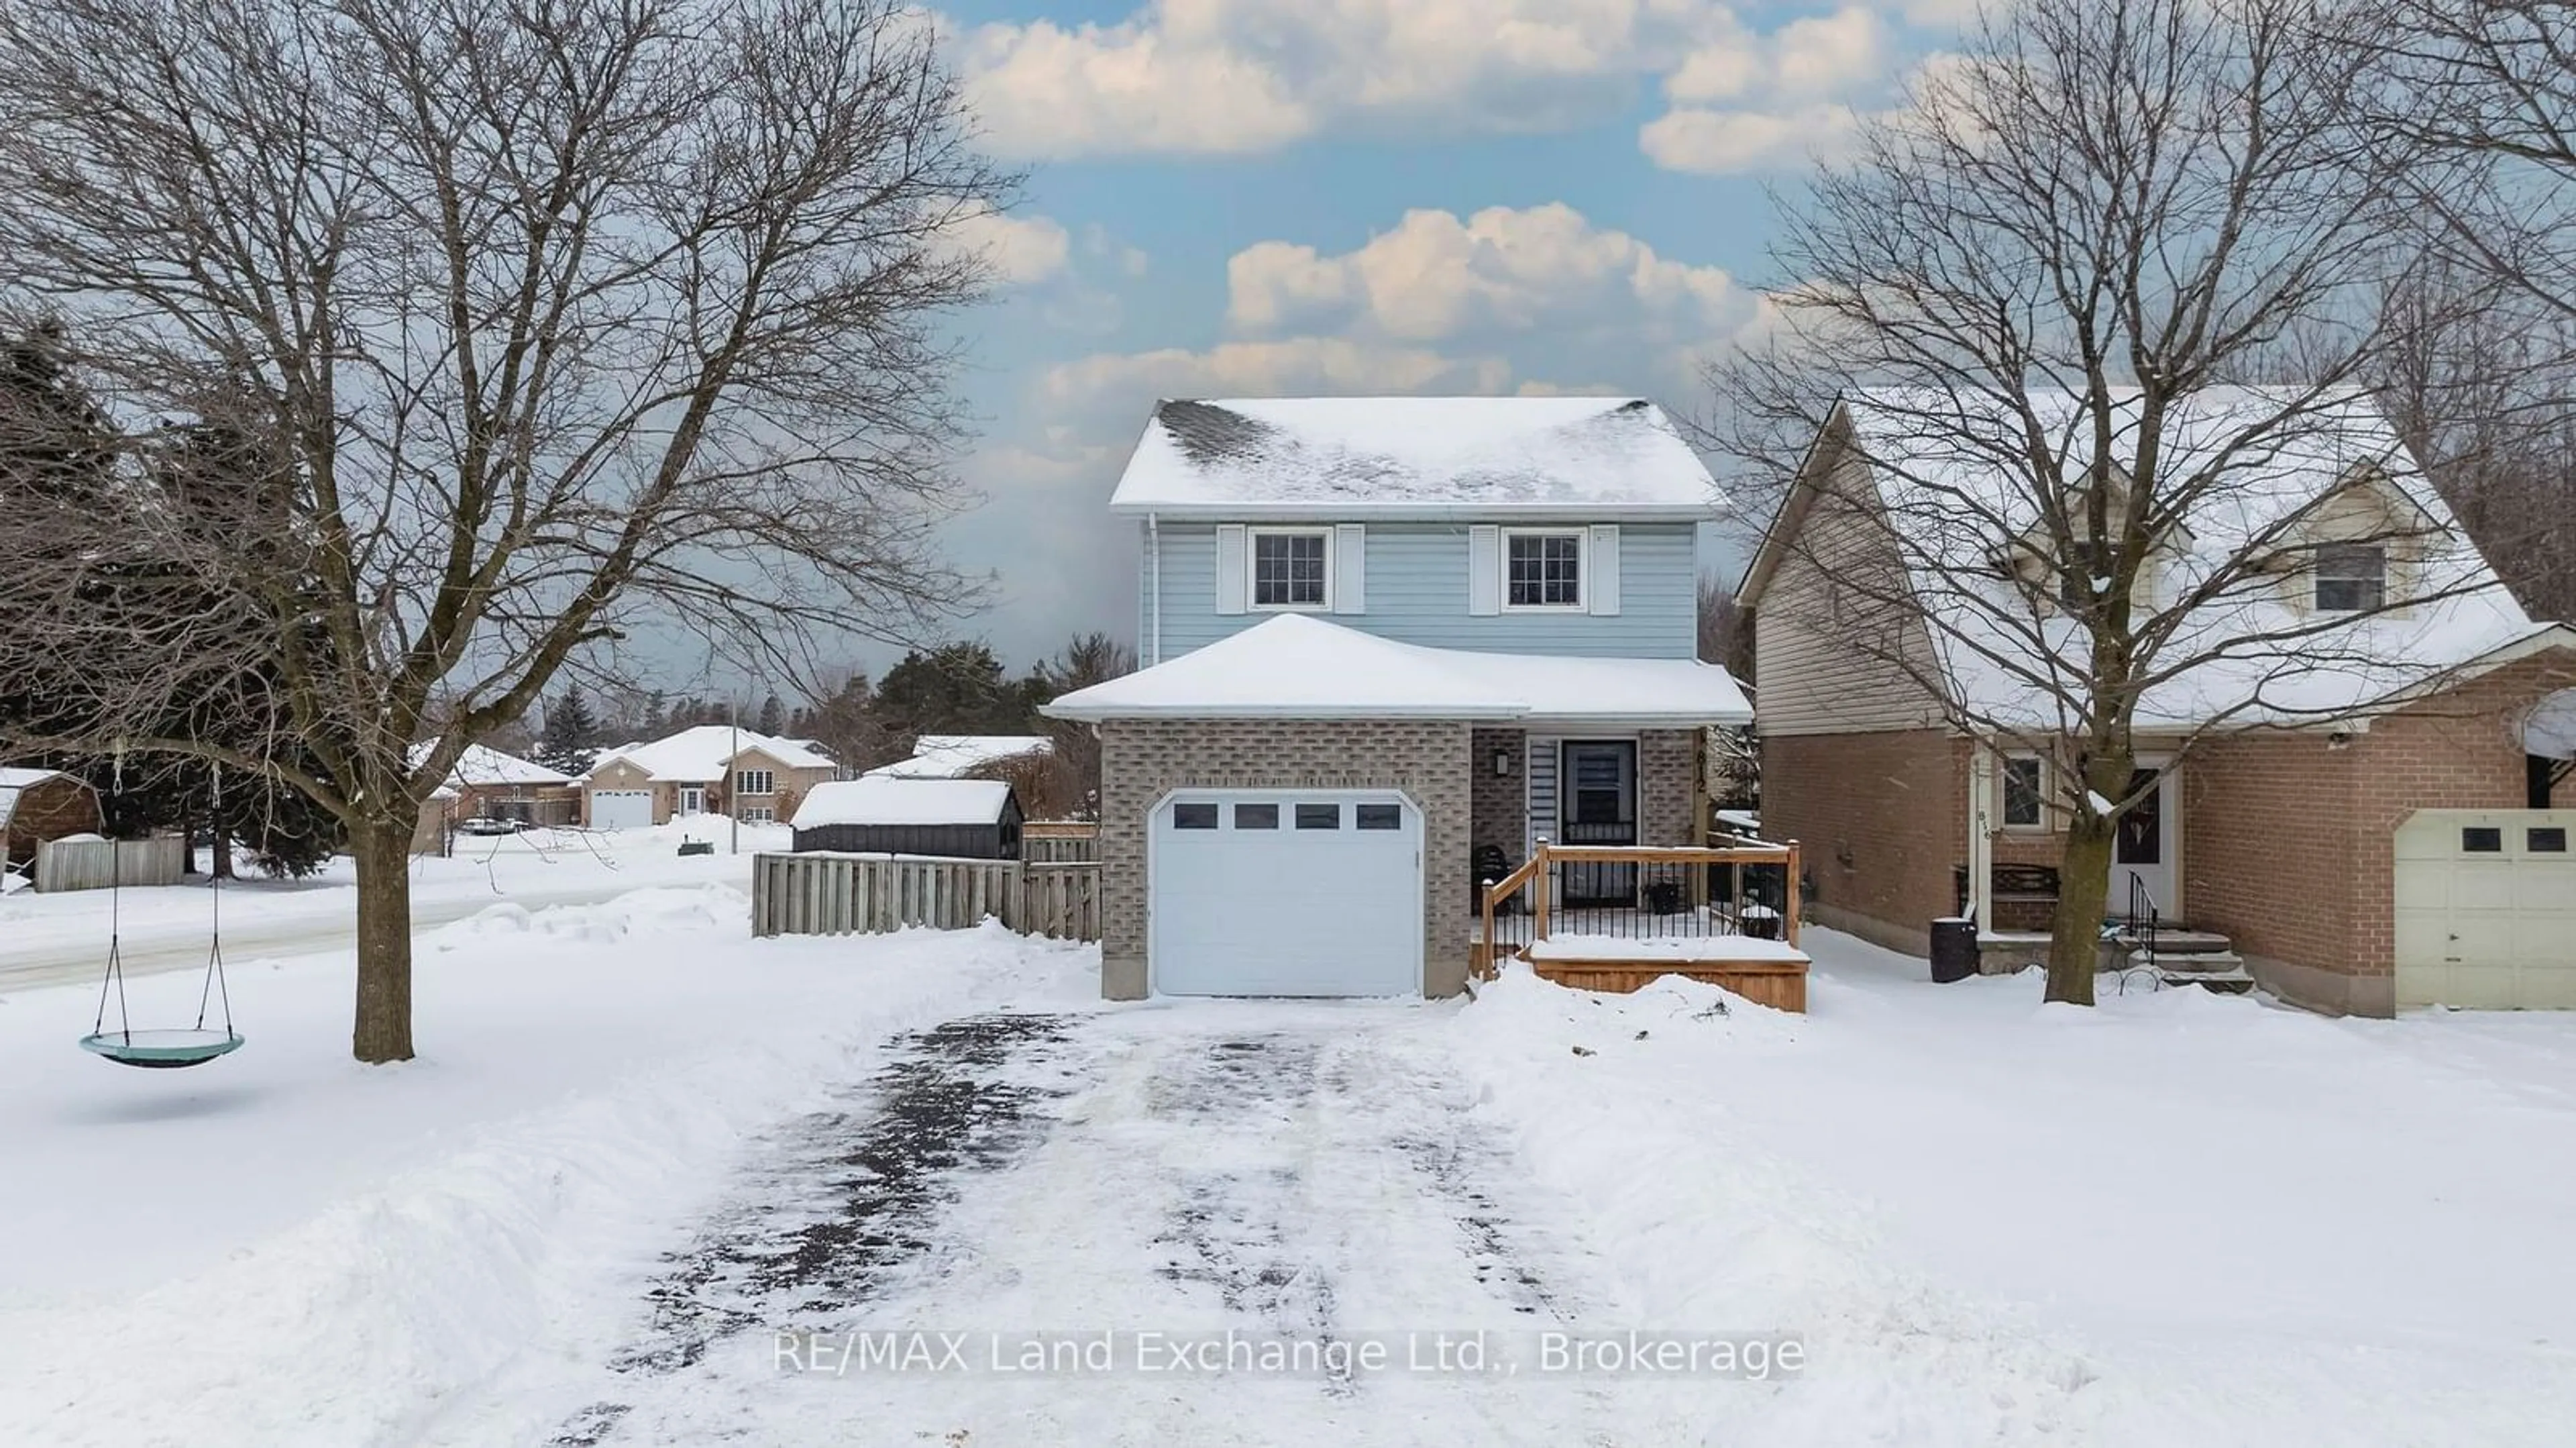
pixel 97 864
pixel 816 894
pixel 1059 842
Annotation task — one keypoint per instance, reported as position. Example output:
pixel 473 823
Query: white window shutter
pixel 1484 569
pixel 1350 568
pixel 1601 570
pixel 1233 568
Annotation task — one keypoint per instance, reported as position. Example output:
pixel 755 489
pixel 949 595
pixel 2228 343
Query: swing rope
pixel 115 919
pixel 215 981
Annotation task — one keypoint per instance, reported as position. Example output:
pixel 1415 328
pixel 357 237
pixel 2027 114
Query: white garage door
pixel 621 809
pixel 1286 893
pixel 2486 909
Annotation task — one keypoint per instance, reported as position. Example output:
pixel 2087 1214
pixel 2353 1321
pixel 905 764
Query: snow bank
pixel 586 1076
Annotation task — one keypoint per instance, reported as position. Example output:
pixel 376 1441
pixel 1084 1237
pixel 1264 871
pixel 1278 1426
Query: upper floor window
pixel 1543 570
pixel 1291 568
pixel 754 781
pixel 2351 577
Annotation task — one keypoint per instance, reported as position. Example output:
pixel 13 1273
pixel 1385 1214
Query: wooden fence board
pixel 97 864
pixel 812 894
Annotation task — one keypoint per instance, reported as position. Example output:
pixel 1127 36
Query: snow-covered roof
pixel 15 781
pixel 881 800
pixel 706 752
pixel 954 756
pixel 1355 457
pixel 1955 487
pixel 1298 667
pixel 482 766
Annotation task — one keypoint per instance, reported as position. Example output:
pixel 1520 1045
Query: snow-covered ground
pixel 638 1142
pixel 50 938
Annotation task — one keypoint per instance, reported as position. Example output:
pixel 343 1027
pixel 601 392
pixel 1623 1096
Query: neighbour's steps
pixel 2183 956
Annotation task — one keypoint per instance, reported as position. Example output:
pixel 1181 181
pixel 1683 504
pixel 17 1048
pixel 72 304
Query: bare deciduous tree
pixel 2110 277
pixel 557 319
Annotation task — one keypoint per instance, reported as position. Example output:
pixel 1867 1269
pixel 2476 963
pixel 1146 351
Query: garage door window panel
pixel 1256 816
pixel 1380 816
pixel 1194 816
pixel 1319 816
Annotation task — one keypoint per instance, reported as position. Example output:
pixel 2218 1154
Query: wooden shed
pixel 967 819
pixel 42 804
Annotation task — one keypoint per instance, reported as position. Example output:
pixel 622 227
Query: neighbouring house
pixel 489 784
pixel 712 768
pixel 967 756
pixel 1387 641
pixel 973 819
pixel 2357 814
pixel 42 804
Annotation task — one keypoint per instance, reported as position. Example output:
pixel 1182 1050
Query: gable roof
pixel 488 767
pixel 1356 457
pixel 953 756
pixel 880 800
pixel 1943 474
pixel 1295 666
pixel 706 752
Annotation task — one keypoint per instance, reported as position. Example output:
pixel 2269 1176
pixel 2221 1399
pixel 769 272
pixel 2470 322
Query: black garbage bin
pixel 1954 949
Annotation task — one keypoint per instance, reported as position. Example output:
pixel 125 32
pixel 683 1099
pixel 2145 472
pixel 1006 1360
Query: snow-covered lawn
pixel 637 1142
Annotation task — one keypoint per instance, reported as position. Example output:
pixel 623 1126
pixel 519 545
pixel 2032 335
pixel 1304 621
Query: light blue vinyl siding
pixel 1417 592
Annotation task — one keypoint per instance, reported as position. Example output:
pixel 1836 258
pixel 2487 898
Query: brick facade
pixel 1142 760
pixel 1668 787
pixel 1501 800
pixel 2287 838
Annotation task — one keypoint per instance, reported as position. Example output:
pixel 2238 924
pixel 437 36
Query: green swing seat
pixel 162 1050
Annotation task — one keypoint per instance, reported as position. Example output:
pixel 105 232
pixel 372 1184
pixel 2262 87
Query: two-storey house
pixel 1387 639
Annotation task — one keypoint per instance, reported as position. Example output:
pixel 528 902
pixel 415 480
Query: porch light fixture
pixel 1502 761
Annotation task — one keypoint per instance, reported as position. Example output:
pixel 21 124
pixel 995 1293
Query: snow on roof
pixel 706 752
pixel 954 756
pixel 485 767
pixel 881 800
pixel 1349 456
pixel 14 782
pixel 1957 502
pixel 1299 667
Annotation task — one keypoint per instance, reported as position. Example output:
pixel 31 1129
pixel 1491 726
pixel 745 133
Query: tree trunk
pixel 383 852
pixel 2083 889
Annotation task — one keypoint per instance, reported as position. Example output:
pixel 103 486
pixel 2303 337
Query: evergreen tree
pixel 571 738
pixel 657 717
pixel 773 716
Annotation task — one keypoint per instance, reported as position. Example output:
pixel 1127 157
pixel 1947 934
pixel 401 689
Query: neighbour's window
pixel 2022 793
pixel 1194 816
pixel 2478 840
pixel 2351 577
pixel 754 781
pixel 1319 816
pixel 1288 570
pixel 758 814
pixel 1256 816
pixel 2550 841
pixel 1544 570
pixel 1379 816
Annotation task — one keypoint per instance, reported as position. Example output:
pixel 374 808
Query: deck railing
pixel 1680 892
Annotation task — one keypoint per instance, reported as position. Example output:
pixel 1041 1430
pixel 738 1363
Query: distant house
pixel 488 784
pixel 710 768
pixel 967 756
pixel 42 804
pixel 976 819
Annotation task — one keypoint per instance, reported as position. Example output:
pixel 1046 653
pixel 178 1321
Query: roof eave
pixel 1346 511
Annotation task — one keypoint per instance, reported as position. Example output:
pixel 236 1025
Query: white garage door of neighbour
pixel 2486 909
pixel 621 809
pixel 1286 893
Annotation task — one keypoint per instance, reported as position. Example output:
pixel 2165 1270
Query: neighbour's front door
pixel 693 800
pixel 2143 849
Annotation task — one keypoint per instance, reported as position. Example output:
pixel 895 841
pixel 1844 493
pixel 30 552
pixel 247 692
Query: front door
pixel 693 800
pixel 2143 848
pixel 1597 798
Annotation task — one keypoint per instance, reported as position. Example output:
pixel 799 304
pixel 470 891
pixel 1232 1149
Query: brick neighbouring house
pixel 2280 829
pixel 38 805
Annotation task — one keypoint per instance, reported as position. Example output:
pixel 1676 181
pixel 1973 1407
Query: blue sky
pixel 1287 197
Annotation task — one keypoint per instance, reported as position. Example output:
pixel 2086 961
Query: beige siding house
pixel 709 769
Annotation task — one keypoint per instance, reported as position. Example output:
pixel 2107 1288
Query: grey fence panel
pixel 97 864
pixel 811 894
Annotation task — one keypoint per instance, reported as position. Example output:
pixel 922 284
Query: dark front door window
pixel 1597 787
pixel 2140 839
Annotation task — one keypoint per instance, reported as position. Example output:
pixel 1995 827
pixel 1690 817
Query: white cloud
pixel 1500 273
pixel 1231 76
pixel 1021 249
pixel 1717 143
pixel 1743 102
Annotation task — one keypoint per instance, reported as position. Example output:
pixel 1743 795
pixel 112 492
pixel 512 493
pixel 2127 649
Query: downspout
pixel 1154 605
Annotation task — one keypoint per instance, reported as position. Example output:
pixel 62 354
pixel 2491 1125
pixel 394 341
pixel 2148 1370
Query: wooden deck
pixel 1557 947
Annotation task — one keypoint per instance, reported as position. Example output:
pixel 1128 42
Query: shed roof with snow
pixel 954 756
pixel 883 800
pixel 1355 458
pixel 482 766
pixel 1298 667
